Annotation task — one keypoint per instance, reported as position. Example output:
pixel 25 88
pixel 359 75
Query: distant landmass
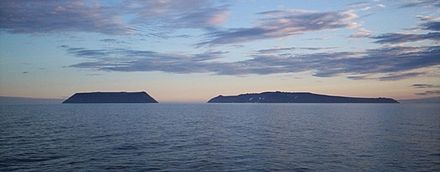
pixel 295 97
pixel 111 97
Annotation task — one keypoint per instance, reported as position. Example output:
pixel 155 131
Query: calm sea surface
pixel 220 137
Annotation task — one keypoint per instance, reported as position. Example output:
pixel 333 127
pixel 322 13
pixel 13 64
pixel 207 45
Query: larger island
pixel 295 97
pixel 111 97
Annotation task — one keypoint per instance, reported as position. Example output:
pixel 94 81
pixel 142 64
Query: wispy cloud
pixel 394 76
pixel 366 5
pixel 415 3
pixel 138 60
pixel 430 25
pixel 113 41
pixel 361 33
pixel 393 38
pixel 283 23
pixel 175 14
pixel 425 86
pixel 430 92
pixel 400 76
pixel 277 50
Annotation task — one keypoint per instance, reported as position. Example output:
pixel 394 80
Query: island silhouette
pixel 264 97
pixel 295 97
pixel 111 97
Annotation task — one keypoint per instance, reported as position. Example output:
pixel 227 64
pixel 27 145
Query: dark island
pixel 295 97
pixel 111 97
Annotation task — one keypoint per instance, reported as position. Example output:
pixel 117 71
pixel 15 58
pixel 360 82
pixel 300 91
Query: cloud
pixel 394 38
pixel 358 77
pixel 395 62
pixel 432 25
pixel 284 23
pixel 112 18
pixel 361 33
pixel 400 76
pixel 430 92
pixel 388 76
pixel 365 5
pixel 425 86
pixel 417 3
pixel 127 60
pixel 381 5
pixel 41 16
pixel 202 18
pixel 114 41
pixel 177 14
pixel 276 50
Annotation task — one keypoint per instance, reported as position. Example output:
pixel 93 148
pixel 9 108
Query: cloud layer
pixel 43 16
pixel 394 61
pixel 118 18
pixel 124 17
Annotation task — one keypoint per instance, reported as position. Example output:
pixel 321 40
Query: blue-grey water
pixel 220 137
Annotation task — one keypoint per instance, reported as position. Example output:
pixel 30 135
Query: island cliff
pixel 111 97
pixel 295 97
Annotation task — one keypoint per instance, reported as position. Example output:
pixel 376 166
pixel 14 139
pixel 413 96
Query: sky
pixel 193 50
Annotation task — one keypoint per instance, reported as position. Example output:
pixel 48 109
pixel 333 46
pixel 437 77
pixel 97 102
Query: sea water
pixel 220 137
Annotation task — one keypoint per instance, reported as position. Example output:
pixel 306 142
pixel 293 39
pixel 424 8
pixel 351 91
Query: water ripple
pixel 220 137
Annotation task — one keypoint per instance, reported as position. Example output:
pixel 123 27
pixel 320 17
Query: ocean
pixel 220 137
